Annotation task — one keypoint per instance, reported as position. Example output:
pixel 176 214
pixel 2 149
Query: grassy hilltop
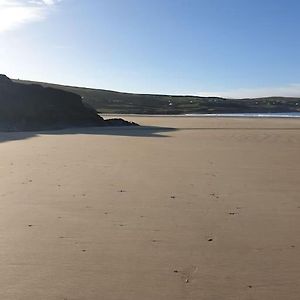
pixel 106 101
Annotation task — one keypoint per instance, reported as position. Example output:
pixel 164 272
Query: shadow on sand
pixel 138 131
pixel 134 131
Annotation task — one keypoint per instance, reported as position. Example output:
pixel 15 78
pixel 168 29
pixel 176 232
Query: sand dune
pixel 185 208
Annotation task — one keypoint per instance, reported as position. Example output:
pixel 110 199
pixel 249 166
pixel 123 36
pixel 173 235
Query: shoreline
pixel 225 115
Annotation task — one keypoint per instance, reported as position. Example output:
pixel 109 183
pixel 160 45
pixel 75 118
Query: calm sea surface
pixel 237 115
pixel 250 115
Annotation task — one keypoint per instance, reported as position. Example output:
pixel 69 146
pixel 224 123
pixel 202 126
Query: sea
pixel 250 115
pixel 232 115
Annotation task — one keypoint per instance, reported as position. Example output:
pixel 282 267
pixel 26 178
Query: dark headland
pixel 27 107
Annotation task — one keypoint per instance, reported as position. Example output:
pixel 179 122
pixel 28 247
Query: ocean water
pixel 250 115
pixel 232 115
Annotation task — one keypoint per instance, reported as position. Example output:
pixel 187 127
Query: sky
pixel 230 48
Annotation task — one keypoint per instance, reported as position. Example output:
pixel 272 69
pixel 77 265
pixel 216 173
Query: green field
pixel 105 101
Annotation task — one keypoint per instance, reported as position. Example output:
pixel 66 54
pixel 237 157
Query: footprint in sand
pixel 156 241
pixel 214 195
pixel 232 213
pixel 187 273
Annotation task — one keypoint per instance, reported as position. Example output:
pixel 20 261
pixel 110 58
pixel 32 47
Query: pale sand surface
pixel 129 214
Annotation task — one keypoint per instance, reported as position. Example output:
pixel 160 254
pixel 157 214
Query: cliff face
pixel 33 107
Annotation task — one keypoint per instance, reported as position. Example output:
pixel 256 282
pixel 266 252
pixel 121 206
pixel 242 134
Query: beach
pixel 183 208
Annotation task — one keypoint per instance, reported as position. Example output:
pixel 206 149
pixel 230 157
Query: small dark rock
pixel 119 122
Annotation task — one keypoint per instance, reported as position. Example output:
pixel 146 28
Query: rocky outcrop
pixel 33 107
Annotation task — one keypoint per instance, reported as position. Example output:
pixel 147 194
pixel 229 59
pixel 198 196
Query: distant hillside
pixel 105 101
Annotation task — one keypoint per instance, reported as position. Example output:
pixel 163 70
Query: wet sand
pixel 192 208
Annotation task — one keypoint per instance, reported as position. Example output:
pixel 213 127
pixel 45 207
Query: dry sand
pixel 208 211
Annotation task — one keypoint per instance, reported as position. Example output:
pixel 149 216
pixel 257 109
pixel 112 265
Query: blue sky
pixel 234 48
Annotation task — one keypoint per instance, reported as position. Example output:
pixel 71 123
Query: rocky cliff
pixel 33 107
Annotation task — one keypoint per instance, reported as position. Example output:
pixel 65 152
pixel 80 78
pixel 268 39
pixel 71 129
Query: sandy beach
pixel 185 208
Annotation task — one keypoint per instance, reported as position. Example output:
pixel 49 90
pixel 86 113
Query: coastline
pixel 225 115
